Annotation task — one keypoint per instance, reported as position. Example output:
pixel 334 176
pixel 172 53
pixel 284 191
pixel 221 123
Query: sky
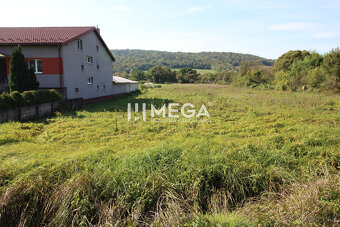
pixel 260 27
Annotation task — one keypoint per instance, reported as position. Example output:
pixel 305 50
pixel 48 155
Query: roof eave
pixel 31 44
pixel 105 46
pixel 64 42
pixel 99 37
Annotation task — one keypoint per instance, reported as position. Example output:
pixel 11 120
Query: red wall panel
pixel 7 64
pixel 49 65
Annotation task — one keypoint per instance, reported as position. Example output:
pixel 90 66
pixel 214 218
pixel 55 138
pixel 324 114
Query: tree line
pixel 129 60
pixel 294 70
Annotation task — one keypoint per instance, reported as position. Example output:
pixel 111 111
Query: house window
pixel 90 80
pixel 104 87
pixel 80 44
pixel 97 87
pixel 82 67
pixel 36 65
pixel 97 48
pixel 76 90
pixel 97 66
pixel 89 59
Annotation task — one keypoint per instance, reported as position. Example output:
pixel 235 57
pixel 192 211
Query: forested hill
pixel 127 60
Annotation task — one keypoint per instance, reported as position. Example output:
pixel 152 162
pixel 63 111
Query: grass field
pixel 265 157
pixel 204 71
pixel 201 71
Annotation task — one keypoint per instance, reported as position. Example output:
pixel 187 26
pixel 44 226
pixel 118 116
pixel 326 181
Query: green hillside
pixel 127 60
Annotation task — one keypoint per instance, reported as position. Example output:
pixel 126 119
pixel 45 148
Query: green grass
pixel 93 167
pixel 201 71
pixel 204 71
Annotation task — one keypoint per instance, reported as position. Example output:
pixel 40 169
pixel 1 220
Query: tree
pixel 128 60
pixel 21 78
pixel 315 77
pixel 331 64
pixel 187 75
pixel 161 74
pixel 32 83
pixel 18 77
pixel 299 70
pixel 247 66
pixel 287 59
pixel 281 80
pixel 137 75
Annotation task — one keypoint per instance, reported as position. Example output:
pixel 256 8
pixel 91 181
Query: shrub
pixel 315 77
pixel 330 84
pixel 16 99
pixel 30 97
pixel 6 101
pixel 253 78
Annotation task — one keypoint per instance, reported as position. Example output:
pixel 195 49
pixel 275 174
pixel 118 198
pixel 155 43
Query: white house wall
pixel 75 77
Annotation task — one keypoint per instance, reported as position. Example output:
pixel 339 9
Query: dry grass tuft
pixel 314 203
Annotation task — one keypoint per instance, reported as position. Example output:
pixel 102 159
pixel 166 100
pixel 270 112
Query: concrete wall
pixel 75 77
pixel 124 88
pixel 133 87
pixel 29 112
pixel 46 80
pixel 119 89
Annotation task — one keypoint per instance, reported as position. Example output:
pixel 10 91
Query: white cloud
pixel 293 26
pixel 196 9
pixel 122 8
pixel 325 35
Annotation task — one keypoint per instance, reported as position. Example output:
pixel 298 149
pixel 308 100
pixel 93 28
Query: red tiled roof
pixel 45 35
pixel 40 35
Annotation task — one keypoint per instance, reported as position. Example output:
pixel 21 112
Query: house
pixel 73 60
pixel 124 85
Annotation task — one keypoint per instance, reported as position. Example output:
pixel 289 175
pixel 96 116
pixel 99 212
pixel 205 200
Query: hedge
pixel 16 99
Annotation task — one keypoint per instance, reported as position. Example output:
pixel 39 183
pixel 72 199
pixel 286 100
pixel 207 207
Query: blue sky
pixel 262 27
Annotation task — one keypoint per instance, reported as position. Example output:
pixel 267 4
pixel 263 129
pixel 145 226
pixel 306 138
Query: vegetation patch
pixel 16 99
pixel 262 154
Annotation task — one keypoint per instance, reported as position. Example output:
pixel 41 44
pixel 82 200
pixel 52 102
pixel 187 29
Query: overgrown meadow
pixel 265 157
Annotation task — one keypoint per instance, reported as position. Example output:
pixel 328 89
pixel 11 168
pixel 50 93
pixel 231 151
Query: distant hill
pixel 127 60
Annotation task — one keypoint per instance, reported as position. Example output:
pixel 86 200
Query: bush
pixel 16 99
pixel 30 97
pixel 315 77
pixel 254 78
pixel 6 101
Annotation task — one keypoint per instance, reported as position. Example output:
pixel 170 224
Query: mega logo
pixel 173 111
